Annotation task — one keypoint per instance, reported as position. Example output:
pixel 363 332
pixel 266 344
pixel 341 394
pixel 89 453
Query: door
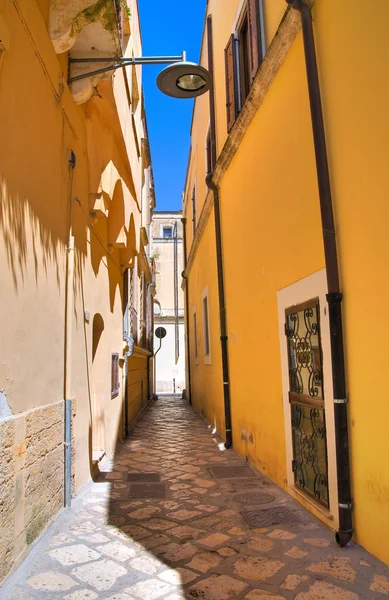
pixel 306 397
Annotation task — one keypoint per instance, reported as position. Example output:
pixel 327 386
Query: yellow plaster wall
pixel 276 242
pixel 39 123
pixel 206 380
pixel 355 95
pixel 272 238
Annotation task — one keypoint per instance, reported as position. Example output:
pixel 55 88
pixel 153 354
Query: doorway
pixel 306 397
pixel 307 393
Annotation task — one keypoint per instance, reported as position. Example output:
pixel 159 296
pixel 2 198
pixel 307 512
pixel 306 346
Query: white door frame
pixel 313 286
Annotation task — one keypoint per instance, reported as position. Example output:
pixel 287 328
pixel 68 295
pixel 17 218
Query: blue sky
pixel 167 29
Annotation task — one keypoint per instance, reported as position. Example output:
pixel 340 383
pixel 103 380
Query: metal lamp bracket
pixel 121 62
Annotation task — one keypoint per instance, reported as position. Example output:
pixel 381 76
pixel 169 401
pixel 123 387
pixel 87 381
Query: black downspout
pixel 219 253
pixel 334 296
pixel 183 221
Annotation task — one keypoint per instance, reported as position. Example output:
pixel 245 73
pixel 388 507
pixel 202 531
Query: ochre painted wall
pixel 275 242
pixel 207 392
pixel 272 238
pixel 41 202
pixel 355 96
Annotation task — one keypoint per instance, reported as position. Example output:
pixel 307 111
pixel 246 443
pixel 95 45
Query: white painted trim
pixel 313 286
pixel 238 16
pixel 166 226
pixel 207 357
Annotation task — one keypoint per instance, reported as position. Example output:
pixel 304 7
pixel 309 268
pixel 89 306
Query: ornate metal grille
pixel 305 373
pixel 306 397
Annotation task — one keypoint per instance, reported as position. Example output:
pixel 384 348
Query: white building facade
pixel 167 252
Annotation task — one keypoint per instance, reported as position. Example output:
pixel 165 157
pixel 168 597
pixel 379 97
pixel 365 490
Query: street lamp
pixel 180 79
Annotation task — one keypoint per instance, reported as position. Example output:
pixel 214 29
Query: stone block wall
pixel 31 478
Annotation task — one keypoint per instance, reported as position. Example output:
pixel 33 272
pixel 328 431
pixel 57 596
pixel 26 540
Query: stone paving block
pixel 117 551
pixel 101 575
pixel 74 555
pixel 178 576
pixel 175 552
pixel 149 590
pixel 205 561
pixel 263 595
pixel 256 568
pixel 322 590
pixel 81 595
pixel 51 581
pixel 293 581
pixel 146 564
pixel 186 532
pixel 195 539
pixel 214 540
pixel 217 587
pixel 380 584
pixel 295 552
pixel 340 568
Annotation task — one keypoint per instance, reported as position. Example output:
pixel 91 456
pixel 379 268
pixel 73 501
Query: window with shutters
pixel 243 55
pixel 114 374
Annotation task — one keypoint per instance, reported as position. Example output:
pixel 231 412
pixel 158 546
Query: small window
pixel 244 60
pixel 207 345
pixel 243 55
pixel 114 375
pixel 194 215
pixel 195 347
pixel 167 232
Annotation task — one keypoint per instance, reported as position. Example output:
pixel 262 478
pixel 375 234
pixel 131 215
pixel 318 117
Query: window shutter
pixel 255 35
pixel 231 87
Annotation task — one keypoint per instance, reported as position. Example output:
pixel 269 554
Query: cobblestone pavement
pixel 180 533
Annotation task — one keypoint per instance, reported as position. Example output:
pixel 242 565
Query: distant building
pixel 167 252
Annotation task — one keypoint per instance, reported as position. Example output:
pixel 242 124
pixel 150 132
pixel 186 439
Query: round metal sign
pixel 160 333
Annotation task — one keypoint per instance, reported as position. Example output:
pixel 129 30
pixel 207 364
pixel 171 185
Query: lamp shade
pixel 184 80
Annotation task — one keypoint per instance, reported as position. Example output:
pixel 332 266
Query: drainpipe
pixel 184 276
pixel 334 296
pixel 219 253
pixel 151 334
pixel 69 306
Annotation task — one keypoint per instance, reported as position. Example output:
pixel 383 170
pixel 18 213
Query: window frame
pixel 243 57
pixel 195 337
pixel 194 207
pixel 206 327
pixel 251 13
pixel 167 227
pixel 209 166
pixel 115 379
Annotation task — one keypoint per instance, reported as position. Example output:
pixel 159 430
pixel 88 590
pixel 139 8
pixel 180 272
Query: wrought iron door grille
pixel 306 396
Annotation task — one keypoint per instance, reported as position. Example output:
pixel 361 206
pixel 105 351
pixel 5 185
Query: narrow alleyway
pixel 162 523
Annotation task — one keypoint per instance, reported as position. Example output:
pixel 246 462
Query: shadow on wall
pixel 25 234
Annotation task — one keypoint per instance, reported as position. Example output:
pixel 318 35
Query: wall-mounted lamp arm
pixel 124 62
